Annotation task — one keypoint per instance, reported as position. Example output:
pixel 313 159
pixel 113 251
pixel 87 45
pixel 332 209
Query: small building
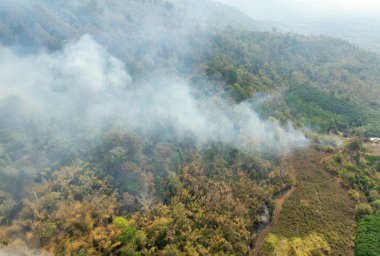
pixel 375 140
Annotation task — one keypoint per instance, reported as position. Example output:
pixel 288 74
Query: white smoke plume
pixel 84 84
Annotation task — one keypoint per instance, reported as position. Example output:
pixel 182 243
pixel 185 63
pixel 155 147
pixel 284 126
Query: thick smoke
pixel 84 84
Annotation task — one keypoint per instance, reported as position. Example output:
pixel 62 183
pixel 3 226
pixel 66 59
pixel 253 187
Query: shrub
pixel 363 209
pixel 376 205
pixel 354 194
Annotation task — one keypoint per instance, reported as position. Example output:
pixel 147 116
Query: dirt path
pixel 316 206
pixel 277 210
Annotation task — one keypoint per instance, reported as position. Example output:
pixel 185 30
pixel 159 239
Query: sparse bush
pixel 377 167
pixel 363 209
pixel 355 145
pixel 338 158
pixel 376 205
pixel 354 194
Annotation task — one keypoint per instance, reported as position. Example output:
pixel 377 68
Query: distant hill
pixel 52 23
pixel 363 31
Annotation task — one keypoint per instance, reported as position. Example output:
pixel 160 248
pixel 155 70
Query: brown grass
pixel 276 213
pixel 374 149
pixel 318 218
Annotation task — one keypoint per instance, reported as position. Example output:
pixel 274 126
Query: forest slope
pixel 160 127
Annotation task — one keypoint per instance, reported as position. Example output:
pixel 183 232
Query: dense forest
pixel 163 127
pixel 325 84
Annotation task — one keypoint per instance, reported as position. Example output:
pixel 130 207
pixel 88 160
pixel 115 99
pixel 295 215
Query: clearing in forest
pixel 318 218
pixel 373 148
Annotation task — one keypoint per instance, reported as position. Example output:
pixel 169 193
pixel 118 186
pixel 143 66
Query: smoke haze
pixel 287 10
pixel 84 82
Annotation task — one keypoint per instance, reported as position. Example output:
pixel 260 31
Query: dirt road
pixel 277 210
pixel 316 204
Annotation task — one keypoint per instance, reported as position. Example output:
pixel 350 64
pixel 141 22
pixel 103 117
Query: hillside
pixel 325 84
pixel 318 218
pixel 40 23
pixel 166 127
pixel 148 29
pixel 362 30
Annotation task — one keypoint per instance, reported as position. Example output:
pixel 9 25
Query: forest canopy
pixel 163 127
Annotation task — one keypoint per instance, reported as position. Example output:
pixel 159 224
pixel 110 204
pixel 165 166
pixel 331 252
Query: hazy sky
pixel 287 9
